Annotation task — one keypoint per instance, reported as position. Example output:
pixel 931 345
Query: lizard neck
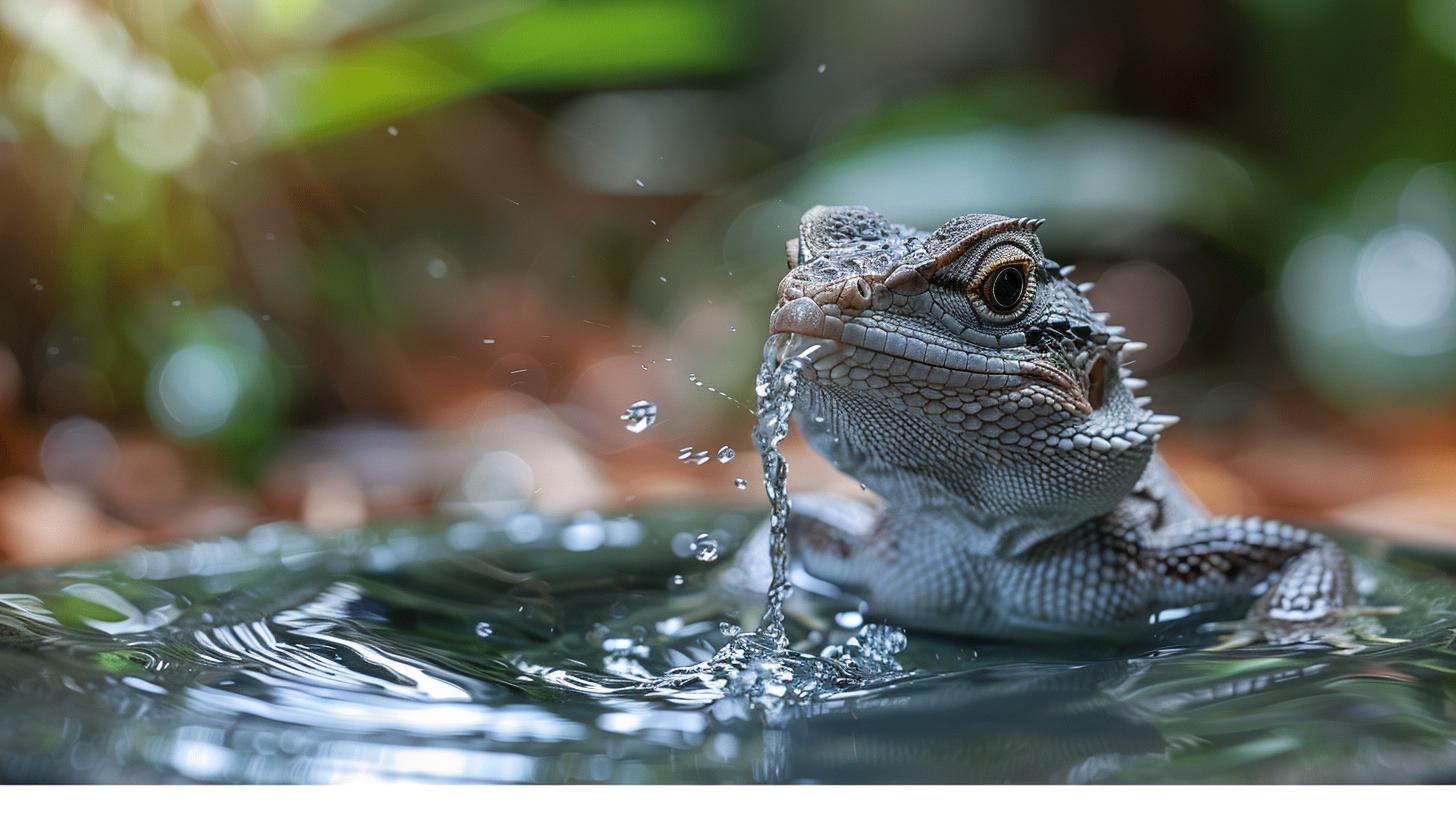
pixel 1002 499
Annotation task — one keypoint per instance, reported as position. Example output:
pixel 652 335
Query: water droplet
pixel 740 483
pixel 662 278
pixel 639 416
pixel 483 629
pixel 822 67
pixel 705 548
pixel 849 620
pixel 729 629
pixel 392 130
pixel 639 182
pixel 677 580
pixel 488 341
pixel 437 268
pixel 176 303
pixel 726 454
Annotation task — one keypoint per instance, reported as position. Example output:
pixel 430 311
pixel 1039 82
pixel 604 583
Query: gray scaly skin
pixel 962 378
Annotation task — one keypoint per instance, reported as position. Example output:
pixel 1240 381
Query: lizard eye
pixel 1003 286
pixel 1004 293
pixel 1003 289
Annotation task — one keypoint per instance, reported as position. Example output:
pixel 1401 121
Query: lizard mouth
pixel 825 353
pixel 821 352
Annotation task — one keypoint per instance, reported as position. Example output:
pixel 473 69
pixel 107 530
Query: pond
pixel 514 649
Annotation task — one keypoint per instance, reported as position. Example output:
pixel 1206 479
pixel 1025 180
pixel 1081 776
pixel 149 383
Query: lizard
pixel 964 378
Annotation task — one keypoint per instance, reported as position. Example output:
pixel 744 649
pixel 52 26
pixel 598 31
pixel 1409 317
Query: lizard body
pixel 965 380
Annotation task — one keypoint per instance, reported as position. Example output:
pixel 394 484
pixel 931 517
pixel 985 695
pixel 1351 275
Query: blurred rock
pixel 149 482
pixel 332 499
pixel 331 475
pixel 1417 516
pixel 45 525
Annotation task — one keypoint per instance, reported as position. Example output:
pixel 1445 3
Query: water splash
pixel 759 668
pixel 639 416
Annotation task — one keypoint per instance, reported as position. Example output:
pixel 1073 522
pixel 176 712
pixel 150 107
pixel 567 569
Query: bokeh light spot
pixel 1406 280
pixel 193 393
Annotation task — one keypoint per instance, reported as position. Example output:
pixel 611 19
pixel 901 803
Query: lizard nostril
pixel 855 294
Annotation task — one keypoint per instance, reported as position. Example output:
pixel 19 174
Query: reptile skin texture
pixel 964 379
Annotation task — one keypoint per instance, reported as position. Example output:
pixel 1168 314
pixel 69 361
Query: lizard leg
pixel 1313 597
pixel 831 536
pixel 1109 573
pixel 828 534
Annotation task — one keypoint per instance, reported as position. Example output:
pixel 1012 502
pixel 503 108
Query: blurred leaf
pixel 547 46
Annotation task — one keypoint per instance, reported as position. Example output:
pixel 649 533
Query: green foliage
pixel 554 45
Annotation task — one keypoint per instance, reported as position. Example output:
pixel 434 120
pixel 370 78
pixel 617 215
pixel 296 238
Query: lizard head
pixel 960 364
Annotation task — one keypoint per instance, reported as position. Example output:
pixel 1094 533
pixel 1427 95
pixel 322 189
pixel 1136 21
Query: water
pixel 705 547
pixel 689 455
pixel 638 417
pixel 486 650
pixel 776 387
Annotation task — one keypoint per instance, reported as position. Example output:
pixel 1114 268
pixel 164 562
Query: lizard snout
pixel 798 316
pixel 850 294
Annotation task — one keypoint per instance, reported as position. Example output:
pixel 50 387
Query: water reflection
pixel 285 657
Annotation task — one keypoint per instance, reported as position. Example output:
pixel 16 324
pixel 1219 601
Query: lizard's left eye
pixel 1003 289
pixel 1003 286
pixel 1004 293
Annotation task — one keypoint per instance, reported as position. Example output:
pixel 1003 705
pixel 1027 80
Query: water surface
pixel 515 649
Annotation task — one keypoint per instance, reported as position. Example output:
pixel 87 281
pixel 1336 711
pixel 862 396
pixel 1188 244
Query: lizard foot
pixel 1348 630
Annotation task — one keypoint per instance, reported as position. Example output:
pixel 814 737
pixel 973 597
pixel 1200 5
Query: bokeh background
pixel 333 261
